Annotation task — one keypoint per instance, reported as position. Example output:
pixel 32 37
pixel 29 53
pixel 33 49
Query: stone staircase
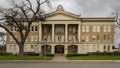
pixel 59 57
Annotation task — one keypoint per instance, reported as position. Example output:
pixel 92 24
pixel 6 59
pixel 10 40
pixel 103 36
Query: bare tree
pixel 21 16
pixel 117 18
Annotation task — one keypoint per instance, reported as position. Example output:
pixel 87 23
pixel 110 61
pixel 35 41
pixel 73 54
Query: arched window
pixel 31 46
pixel 104 48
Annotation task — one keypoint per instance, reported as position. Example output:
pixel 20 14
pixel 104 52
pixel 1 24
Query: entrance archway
pixel 59 49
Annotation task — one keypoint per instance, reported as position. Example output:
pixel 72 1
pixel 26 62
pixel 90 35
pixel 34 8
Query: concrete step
pixel 59 57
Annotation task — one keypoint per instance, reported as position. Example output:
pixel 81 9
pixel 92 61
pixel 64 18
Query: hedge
pixel 96 54
pixel 71 55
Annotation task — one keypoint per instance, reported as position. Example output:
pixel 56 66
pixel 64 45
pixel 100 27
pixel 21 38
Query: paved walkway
pixel 59 58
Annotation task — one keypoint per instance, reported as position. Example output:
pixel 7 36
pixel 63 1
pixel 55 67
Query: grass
pixel 94 58
pixel 24 58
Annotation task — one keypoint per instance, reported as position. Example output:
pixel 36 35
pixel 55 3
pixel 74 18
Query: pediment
pixel 62 15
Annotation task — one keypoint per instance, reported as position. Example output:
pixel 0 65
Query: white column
pixel 53 30
pixel 66 32
pixel 52 49
pixel 66 49
pixel 79 33
pixel 40 32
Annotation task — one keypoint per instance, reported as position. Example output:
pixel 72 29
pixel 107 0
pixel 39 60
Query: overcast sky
pixel 86 8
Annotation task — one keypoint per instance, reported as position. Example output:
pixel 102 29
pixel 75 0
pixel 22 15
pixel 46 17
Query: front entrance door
pixel 59 49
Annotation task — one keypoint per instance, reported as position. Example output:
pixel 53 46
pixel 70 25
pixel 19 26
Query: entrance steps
pixel 59 57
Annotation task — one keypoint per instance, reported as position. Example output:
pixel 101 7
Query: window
pixel 32 28
pixel 31 46
pixel 109 28
pixel 104 48
pixel 98 28
pixel 83 28
pixel 94 28
pixel 98 37
pixel 87 28
pixel 105 37
pixel 83 38
pixel 10 47
pixel 94 37
pixel 36 28
pixel 108 38
pixel 105 29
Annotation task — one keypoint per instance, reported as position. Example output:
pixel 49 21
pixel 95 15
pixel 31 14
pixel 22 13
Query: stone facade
pixel 67 33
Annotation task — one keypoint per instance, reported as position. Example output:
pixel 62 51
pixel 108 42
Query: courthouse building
pixel 67 33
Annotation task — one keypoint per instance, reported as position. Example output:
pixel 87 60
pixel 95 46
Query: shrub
pixel 71 55
pixel 50 55
pixel 31 54
pixel 104 53
pixel 6 54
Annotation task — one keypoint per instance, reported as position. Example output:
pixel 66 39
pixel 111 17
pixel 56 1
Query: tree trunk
pixel 21 50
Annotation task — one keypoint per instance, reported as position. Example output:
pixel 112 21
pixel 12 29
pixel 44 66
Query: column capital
pixel 53 24
pixel 66 24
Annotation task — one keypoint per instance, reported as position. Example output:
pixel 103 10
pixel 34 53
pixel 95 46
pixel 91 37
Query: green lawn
pixel 94 58
pixel 24 58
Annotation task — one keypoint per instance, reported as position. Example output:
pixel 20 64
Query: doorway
pixel 59 49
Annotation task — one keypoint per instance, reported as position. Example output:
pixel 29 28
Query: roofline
pixel 97 19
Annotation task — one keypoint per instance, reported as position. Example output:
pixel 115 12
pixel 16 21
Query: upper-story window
pixel 34 28
pixel 13 28
pixel 85 28
pixel 107 29
pixel 96 28
pixel 85 38
pixel 107 37
pixel 98 37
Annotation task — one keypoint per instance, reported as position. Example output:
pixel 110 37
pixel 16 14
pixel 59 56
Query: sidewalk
pixel 52 61
pixel 59 61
